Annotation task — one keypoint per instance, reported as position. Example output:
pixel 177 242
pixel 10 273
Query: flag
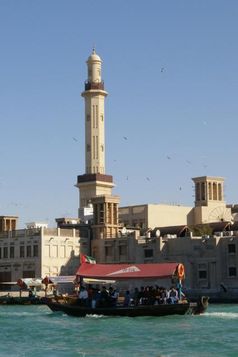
pixel 87 259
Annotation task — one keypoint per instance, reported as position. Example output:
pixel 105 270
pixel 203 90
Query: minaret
pixel 94 182
pixel 94 96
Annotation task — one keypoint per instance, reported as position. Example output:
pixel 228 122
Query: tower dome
pixel 94 57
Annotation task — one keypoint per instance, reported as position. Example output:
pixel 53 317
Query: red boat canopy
pixel 127 271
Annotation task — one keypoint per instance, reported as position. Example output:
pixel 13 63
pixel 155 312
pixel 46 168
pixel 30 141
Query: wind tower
pixel 210 205
pixel 94 182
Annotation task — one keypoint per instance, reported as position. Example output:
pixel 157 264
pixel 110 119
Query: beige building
pixel 155 215
pixel 211 262
pixel 39 251
pixel 210 207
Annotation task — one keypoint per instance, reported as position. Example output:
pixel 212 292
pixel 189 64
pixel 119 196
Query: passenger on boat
pixel 141 295
pixel 95 297
pixel 164 295
pixel 113 296
pixel 127 298
pixel 173 296
pixel 104 297
pixel 83 296
pixel 135 297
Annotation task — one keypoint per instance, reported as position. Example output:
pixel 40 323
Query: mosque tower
pixel 94 182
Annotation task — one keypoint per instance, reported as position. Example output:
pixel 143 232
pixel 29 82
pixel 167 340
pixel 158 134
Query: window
pixel 0 252
pixel 108 251
pixel 148 253
pixel 202 274
pixel 122 250
pixel 232 271
pixel 28 251
pixel 35 251
pixel 231 248
pixel 12 252
pixel 5 252
pixel 22 251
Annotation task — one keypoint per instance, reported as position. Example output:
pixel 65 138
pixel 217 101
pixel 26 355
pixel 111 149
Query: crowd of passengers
pixel 149 295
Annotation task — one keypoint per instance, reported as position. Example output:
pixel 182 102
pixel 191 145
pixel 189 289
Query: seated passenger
pixel 173 296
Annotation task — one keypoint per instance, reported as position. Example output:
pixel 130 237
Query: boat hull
pixel 131 311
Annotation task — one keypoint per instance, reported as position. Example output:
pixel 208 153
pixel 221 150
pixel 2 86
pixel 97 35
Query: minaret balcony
pixel 94 85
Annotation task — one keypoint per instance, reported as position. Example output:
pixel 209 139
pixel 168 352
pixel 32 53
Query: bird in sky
pixel 75 139
pixel 168 157
pixel 188 162
pixel 125 138
pixel 147 178
pixel 162 70
pixel 180 188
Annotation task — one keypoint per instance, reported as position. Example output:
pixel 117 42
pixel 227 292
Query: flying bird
pixel 168 157
pixel 125 138
pixel 147 178
pixel 75 139
pixel 162 69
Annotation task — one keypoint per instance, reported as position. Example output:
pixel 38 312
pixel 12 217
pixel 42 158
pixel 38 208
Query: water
pixel 36 331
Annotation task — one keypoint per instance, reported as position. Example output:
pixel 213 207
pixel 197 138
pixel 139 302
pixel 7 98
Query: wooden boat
pixel 183 308
pixel 124 272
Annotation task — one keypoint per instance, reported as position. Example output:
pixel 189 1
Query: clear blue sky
pixel 181 122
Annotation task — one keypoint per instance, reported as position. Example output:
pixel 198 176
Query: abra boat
pixel 117 272
pixel 187 308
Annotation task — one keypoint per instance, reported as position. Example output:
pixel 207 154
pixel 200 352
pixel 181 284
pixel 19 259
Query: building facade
pixel 38 251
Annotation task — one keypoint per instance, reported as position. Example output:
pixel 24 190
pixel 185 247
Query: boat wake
pixel 222 315
pixel 95 316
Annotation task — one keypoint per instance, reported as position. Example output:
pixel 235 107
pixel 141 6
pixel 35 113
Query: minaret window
pixel 101 117
pixel 88 147
pixel 96 116
pixel 88 117
pixel 94 119
pixel 96 147
pixel 93 147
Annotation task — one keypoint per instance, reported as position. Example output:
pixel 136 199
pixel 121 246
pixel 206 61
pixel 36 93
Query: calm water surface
pixel 36 331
